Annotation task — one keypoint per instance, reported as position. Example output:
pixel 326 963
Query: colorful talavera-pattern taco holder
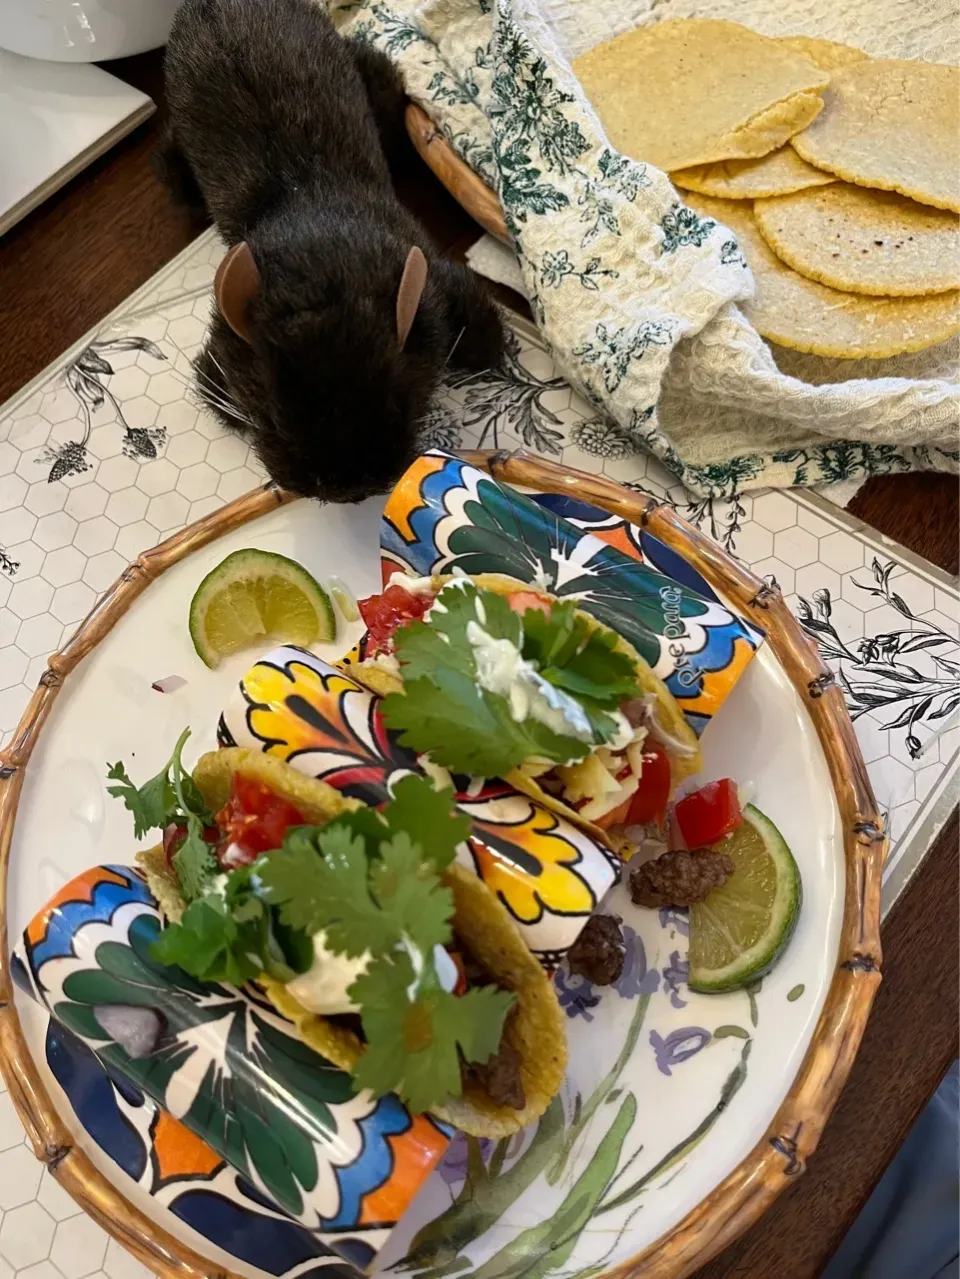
pixel 345 1168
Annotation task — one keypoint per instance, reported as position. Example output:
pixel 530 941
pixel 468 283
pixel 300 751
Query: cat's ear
pixel 412 283
pixel 235 285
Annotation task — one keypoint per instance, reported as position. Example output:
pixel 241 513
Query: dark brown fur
pixel 278 128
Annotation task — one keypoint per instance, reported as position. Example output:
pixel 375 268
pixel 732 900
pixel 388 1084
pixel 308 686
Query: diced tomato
pixel 522 601
pixel 709 813
pixel 461 986
pixel 254 820
pixel 384 614
pixel 176 833
pixel 649 800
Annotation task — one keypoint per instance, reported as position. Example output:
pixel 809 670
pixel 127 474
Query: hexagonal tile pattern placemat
pixel 112 449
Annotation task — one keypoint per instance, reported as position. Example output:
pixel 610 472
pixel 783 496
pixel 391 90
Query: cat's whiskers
pixel 210 391
pixel 225 400
pixel 226 409
pixel 212 395
pixel 217 363
pixel 455 386
pixel 455 345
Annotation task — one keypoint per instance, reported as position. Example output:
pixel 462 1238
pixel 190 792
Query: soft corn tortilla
pixel 778 173
pixel 691 91
pixel 807 316
pixel 668 713
pixel 894 125
pixel 874 242
pixel 827 54
pixel 535 1028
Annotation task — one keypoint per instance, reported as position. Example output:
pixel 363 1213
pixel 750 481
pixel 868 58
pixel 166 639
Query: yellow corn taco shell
pixel 667 713
pixel 535 1028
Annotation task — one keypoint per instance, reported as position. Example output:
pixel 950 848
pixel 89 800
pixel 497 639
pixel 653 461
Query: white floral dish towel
pixel 633 292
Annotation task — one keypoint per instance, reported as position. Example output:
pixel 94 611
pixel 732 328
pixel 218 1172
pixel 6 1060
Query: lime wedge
pixel 740 931
pixel 254 595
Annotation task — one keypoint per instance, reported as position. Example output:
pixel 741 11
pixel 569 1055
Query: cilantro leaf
pixel 200 943
pixel 366 824
pixel 422 647
pixel 149 803
pixel 444 711
pixel 415 808
pixel 468 730
pixel 323 880
pixel 211 944
pixel 170 796
pixel 319 881
pixel 428 817
pixel 413 1048
pixel 553 640
pixel 188 795
pixel 194 861
pixel 572 658
pixel 410 897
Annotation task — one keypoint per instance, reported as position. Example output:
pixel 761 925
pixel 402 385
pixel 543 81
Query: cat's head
pixel 328 366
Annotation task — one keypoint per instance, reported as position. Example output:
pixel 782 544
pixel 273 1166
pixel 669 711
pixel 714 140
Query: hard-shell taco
pixel 487 675
pixel 392 961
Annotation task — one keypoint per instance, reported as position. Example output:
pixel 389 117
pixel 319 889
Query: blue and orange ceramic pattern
pixel 445 515
pixel 549 875
pixel 236 1084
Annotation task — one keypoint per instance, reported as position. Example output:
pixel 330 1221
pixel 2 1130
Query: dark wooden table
pixel 89 247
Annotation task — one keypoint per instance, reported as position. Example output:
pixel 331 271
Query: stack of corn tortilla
pixel 839 174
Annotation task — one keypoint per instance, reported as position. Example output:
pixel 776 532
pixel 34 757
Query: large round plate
pixel 691 1110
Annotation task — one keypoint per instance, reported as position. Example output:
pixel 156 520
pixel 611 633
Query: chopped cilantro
pixel 443 710
pixel 149 804
pixel 171 797
pixel 413 1047
pixel 370 882
pixel 220 941
pixel 194 861
pixel 417 809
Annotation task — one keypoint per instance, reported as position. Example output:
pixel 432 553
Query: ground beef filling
pixel 500 1077
pixel 598 952
pixel 679 878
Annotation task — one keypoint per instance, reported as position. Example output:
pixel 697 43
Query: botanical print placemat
pixel 111 450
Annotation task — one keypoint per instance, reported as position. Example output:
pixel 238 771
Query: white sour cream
pixel 387 662
pixel 218 887
pixel 322 989
pixel 447 972
pixel 501 669
pixel 413 585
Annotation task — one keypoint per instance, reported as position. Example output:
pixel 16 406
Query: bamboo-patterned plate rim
pixel 781 1154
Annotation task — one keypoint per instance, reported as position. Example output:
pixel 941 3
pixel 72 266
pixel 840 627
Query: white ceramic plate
pixel 681 1054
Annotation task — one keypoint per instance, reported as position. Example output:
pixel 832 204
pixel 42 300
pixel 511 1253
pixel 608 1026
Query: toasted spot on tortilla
pixel 864 241
pixel 797 312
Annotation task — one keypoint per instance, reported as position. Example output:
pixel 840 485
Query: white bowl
pixel 84 30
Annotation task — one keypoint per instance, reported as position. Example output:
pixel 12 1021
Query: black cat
pixel 278 128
